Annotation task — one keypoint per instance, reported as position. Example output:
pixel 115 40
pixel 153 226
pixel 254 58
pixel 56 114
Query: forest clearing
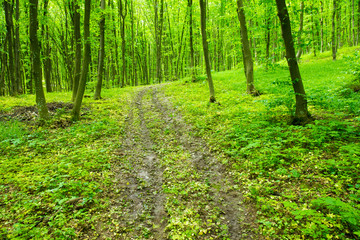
pixel 164 119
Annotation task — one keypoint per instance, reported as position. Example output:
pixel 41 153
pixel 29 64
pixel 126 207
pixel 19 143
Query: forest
pixel 165 119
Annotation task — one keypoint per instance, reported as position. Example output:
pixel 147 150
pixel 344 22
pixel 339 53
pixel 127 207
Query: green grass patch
pixel 52 177
pixel 304 180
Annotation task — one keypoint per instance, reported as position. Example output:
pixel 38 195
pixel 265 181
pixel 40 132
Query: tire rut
pixel 236 215
pixel 136 208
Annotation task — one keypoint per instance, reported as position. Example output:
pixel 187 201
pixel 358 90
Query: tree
pixel 158 36
pixel 123 14
pixel 101 53
pixel 77 39
pixel 301 25
pixel 8 9
pixel 333 33
pixel 191 41
pixel 206 49
pixel 36 61
pixel 302 115
pixel 247 58
pixel 85 66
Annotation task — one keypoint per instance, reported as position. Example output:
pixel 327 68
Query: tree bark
pixel 313 29
pixel 302 115
pixel 36 61
pixel 77 38
pixel 191 41
pixel 86 61
pixel 322 27
pixel 8 8
pixel 333 33
pixel 206 50
pixel 17 50
pixel 46 49
pixel 97 94
pixel 123 14
pixel 302 6
pixel 248 61
pixel 158 37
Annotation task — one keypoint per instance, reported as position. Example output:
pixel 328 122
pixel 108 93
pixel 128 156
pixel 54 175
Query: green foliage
pixel 53 176
pixel 353 63
pixel 304 180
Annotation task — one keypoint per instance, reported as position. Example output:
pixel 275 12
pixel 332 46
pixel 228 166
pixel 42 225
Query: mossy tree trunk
pixel 86 61
pixel 77 39
pixel 101 53
pixel 206 50
pixel 333 33
pixel 248 61
pixel 301 112
pixel 36 61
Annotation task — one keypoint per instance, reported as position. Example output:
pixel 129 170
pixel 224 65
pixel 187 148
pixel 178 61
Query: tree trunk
pixel 158 37
pixel 191 41
pixel 134 67
pixel 206 50
pixel 17 50
pixel 77 38
pixel 46 49
pixel 85 67
pixel 302 115
pixel 322 26
pixel 97 94
pixel 333 33
pixel 36 61
pixel 248 61
pixel 302 6
pixel 313 29
pixel 122 14
pixel 8 8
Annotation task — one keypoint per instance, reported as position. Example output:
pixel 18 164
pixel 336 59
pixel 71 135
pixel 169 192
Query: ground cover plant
pixel 161 162
pixel 304 179
pixel 52 174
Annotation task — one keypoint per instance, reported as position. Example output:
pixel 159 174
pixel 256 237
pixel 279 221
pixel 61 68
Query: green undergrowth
pixel 189 203
pixel 304 180
pixel 52 175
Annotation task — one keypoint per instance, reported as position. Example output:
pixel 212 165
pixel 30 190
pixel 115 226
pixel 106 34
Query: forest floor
pixel 172 184
pixel 161 162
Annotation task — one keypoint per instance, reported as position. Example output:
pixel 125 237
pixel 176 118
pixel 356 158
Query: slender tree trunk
pixel 134 67
pixel 267 39
pixel 17 60
pixel 191 41
pixel 206 50
pixel 36 64
pixel 299 42
pixel 180 48
pixel 248 61
pixel 46 49
pixel 77 39
pixel 123 14
pixel 313 29
pixel 353 22
pixel 97 94
pixel 8 8
pixel 322 27
pixel 333 33
pixel 158 37
pixel 301 113
pixel 85 67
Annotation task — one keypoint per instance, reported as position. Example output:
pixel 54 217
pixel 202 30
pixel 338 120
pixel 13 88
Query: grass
pixel 52 177
pixel 304 180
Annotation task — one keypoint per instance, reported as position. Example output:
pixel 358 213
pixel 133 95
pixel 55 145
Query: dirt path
pixel 167 183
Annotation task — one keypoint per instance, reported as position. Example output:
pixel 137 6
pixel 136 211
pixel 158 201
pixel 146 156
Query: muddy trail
pixel 167 184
